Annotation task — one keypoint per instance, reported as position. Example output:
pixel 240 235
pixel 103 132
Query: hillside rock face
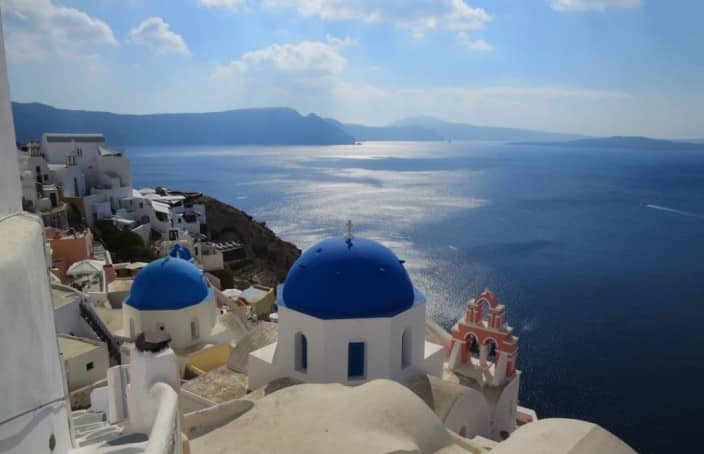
pixel 268 258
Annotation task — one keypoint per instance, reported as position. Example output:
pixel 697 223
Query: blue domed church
pixel 348 313
pixel 171 294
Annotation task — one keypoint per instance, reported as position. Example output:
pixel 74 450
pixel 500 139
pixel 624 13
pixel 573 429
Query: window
pixel 194 329
pixel 161 327
pixel 301 352
pixel 406 357
pixel 90 366
pixel 46 177
pixel 141 205
pixel 356 352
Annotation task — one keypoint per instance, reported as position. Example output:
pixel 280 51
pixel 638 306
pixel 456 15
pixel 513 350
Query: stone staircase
pixel 94 433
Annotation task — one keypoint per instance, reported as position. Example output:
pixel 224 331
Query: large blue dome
pixel 348 278
pixel 167 284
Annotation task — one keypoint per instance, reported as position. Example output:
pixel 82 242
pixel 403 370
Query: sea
pixel 597 254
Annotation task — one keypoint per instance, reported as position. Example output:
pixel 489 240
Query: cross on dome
pixel 348 234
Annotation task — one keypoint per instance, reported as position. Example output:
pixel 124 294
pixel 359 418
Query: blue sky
pixel 599 67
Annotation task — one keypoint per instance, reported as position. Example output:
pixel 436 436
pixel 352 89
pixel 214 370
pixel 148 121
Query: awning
pixel 85 267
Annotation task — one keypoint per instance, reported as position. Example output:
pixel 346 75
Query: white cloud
pixel 232 5
pixel 476 45
pixel 417 16
pixel 594 5
pixel 156 34
pixel 38 28
pixel 303 60
pixel 316 77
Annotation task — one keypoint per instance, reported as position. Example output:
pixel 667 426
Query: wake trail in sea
pixel 675 211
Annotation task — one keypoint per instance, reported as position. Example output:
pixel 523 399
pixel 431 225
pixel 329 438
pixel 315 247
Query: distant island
pixel 260 126
pixel 641 143
pixel 461 131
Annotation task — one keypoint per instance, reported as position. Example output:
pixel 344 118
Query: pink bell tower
pixel 484 348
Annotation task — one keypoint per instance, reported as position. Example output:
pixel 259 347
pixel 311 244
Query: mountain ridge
pixel 256 126
pixel 614 142
pixel 462 131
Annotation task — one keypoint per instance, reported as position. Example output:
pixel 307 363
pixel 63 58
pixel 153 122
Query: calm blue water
pixel 605 291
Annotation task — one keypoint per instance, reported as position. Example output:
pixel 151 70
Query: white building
pixel 67 312
pixel 86 360
pixel 97 179
pixel 175 210
pixel 348 313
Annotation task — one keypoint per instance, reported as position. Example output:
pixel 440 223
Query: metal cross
pixel 348 235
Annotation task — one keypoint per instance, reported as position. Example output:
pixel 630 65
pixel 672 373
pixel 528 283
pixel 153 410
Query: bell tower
pixel 483 345
pixel 483 353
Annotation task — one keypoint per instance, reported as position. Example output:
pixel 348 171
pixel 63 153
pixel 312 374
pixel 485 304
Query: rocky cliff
pixel 267 257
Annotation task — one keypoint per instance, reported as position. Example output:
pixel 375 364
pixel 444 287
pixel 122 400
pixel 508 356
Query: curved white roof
pixel 562 436
pixel 85 267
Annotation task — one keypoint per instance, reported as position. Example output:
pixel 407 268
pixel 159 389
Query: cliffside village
pixel 78 184
pixel 159 356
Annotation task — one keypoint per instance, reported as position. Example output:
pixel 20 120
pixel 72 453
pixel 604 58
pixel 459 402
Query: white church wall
pixel 470 415
pixel 328 343
pixel 504 412
pixel 413 322
pixel 175 322
pixel 264 366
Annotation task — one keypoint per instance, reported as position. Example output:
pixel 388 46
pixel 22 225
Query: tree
pixel 125 245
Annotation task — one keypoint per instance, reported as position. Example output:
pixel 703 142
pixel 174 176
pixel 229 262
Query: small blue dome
pixel 180 252
pixel 341 278
pixel 167 284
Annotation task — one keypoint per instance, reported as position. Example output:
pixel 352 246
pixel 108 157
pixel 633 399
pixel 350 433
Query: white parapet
pixel 10 188
pixel 146 370
pixel 165 435
pixel 34 405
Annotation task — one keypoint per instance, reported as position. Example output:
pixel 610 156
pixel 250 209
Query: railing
pixel 165 437
pixel 102 331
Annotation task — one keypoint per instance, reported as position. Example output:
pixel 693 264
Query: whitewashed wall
pixel 176 322
pixel 76 368
pixel 328 342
